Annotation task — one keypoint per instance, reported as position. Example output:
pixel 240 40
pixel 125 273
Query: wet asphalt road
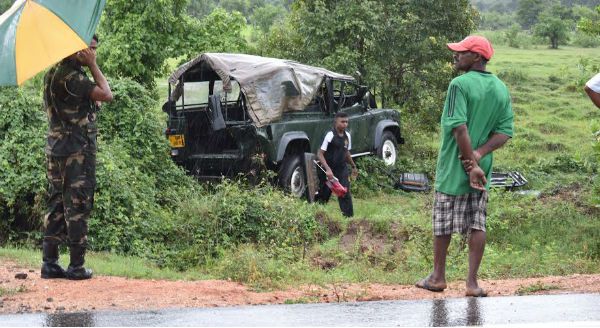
pixel 582 309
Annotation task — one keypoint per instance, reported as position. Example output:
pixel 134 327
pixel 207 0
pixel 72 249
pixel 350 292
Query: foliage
pixel 375 177
pixel 218 32
pixel 554 24
pixel 136 37
pixel 512 35
pixel 232 214
pixel 22 160
pixel 265 17
pixel 254 266
pixel 590 25
pixel 201 8
pixel 397 48
pixel 585 40
pixel 534 288
pixel 145 205
pixel 503 6
pixel 495 21
pixel 247 8
pixel 5 5
pixel 528 12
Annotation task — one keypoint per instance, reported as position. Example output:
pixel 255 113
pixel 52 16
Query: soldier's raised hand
pixel 87 57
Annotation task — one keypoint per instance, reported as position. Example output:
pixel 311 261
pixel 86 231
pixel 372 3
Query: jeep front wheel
pixel 292 177
pixel 387 150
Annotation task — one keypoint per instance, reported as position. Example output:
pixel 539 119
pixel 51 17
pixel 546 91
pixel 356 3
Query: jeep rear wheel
pixel 387 150
pixel 292 177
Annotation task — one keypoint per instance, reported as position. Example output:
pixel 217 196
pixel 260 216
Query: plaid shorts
pixel 459 214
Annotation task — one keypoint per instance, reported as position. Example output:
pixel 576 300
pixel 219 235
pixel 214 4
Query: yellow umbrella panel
pixel 37 34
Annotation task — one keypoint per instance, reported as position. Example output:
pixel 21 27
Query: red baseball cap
pixel 474 43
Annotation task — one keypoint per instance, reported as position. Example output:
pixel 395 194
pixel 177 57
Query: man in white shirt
pixel 334 156
pixel 592 88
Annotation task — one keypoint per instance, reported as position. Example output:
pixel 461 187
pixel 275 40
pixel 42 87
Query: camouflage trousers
pixel 72 181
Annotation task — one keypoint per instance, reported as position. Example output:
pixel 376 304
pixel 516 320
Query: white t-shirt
pixel 329 137
pixel 594 83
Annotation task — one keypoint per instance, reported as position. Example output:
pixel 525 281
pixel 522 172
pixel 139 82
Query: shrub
pixel 584 40
pixel 22 162
pixel 563 163
pixel 232 214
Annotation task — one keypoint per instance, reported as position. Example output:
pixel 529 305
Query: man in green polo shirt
pixel 477 119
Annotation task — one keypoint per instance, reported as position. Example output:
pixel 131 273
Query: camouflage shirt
pixel 71 112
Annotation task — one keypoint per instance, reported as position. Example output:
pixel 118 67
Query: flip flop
pixel 479 292
pixel 425 285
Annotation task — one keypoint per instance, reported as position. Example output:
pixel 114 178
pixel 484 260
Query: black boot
pixel 50 267
pixel 76 271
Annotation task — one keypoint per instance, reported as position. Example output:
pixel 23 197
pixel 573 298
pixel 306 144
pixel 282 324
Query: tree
pixel 398 47
pixel 242 6
pixel 220 31
pixel 554 24
pixel 201 8
pixel 590 25
pixel 264 17
pixel 528 12
pixel 137 36
pixel 512 35
pixel 496 21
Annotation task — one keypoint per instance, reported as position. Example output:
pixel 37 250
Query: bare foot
pixel 429 285
pixel 476 292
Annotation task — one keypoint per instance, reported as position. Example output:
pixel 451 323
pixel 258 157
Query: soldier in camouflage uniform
pixel 70 99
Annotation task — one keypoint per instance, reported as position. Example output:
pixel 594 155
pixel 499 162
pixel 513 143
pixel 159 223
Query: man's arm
pixel 350 161
pixel 496 141
pixel 101 91
pixel 477 178
pixel 321 156
pixel 594 96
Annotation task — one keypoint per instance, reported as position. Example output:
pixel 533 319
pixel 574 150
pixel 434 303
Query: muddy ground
pixel 34 294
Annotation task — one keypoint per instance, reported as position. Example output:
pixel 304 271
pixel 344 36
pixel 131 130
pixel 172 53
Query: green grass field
pixel 389 240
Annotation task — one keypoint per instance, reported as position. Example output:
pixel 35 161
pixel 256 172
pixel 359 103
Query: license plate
pixel 177 141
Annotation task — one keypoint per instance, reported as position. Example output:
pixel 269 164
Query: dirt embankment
pixel 34 294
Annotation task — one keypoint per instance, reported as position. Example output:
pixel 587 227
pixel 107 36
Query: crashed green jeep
pixel 232 113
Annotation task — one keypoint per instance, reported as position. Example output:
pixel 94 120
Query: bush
pixel 232 214
pixel 375 177
pixel 145 205
pixel 22 162
pixel 252 266
pixel 584 40
pixel 563 163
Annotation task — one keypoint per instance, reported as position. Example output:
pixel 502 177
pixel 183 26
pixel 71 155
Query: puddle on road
pixel 549 310
pixel 440 316
pixel 84 319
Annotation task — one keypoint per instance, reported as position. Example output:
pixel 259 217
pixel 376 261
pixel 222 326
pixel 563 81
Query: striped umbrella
pixel 35 34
